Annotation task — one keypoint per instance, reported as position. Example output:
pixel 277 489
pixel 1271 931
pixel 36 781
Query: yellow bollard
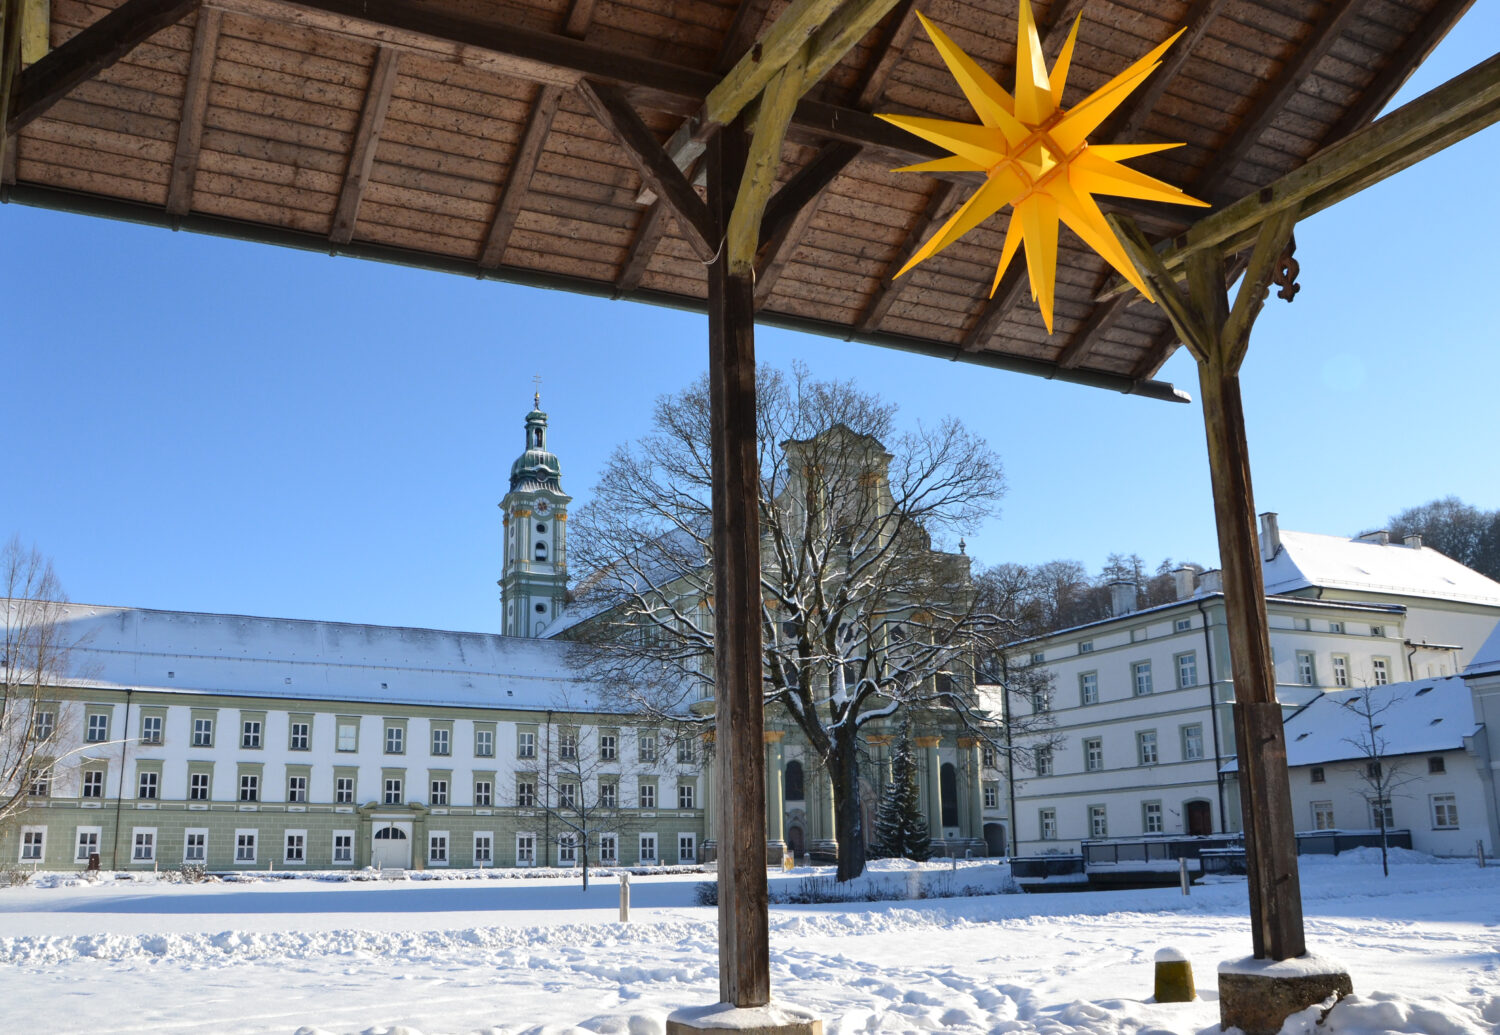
pixel 1174 977
pixel 788 861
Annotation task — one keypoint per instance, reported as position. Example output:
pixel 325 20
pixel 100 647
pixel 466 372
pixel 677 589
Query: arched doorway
pixel 390 848
pixel 796 841
pixel 994 838
pixel 1197 817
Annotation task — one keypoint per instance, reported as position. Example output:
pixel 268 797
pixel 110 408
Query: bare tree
pixel 862 617
pixel 33 658
pixel 1380 775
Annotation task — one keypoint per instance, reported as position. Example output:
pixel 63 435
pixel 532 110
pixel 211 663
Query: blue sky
pixel 201 424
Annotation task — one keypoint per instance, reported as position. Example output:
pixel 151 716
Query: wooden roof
pixel 450 134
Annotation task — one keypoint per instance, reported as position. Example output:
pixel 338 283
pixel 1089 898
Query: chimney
pixel 1414 541
pixel 1184 579
pixel 1122 597
pixel 1379 538
pixel 1212 581
pixel 1270 536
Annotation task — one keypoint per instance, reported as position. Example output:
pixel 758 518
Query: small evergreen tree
pixel 900 827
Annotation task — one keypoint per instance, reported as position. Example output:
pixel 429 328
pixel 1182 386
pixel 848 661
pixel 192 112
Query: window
pixel 1182 625
pixel 244 846
pixel 41 783
pixel 1341 670
pixel 484 743
pixel 1372 769
pixel 685 795
pixel 439 793
pixel 98 728
pixel 301 736
pixel 1041 701
pixel 1151 817
pixel 148 785
pixel 250 733
pixel 646 746
pixel 1142 670
pixel 484 849
pixel 525 744
pixel 392 790
pixel 1187 670
pixel 1088 687
pixel 609 795
pixel 93 783
pixel 33 843
pixel 567 744
pixel 685 751
pixel 1098 821
pixel 343 790
pixel 1305 673
pixel 437 848
pixel 648 848
pixel 609 849
pixel 987 757
pixel 144 846
pixel 526 793
pixel 88 844
pixel 195 846
pixel 1316 774
pixel 647 797
pixel 1444 812
pixel 198 786
pixel 1093 754
pixel 567 795
pixel 348 735
pixel 567 850
pixel 1047 824
pixel 609 747
pixel 343 847
pixel 203 733
pixel 484 793
pixel 442 741
pixel 1145 747
pixel 1381 814
pixel 1038 657
pixel 1382 671
pixel 249 787
pixel 395 740
pixel 296 846
pixel 1377 630
pixel 687 848
pixel 991 795
pixel 151 727
pixel 1086 647
pixel 525 849
pixel 1436 764
pixel 43 725
pixel 296 789
pixel 1044 761
pixel 1192 742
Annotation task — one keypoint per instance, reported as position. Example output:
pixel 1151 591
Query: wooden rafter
pixel 366 139
pixel 940 205
pixel 996 308
pixel 1129 119
pixel 194 106
pixel 614 112
pixel 1337 15
pixel 89 53
pixel 1098 323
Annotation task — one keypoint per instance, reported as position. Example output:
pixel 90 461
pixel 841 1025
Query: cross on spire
pixel 536 399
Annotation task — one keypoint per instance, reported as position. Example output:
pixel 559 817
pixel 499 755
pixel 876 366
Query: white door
pixel 390 848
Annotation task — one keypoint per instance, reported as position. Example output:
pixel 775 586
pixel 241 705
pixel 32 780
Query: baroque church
pixel 246 743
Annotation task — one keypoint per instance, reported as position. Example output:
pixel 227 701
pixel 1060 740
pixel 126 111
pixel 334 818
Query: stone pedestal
pixel 1258 995
pixel 775 851
pixel 723 1019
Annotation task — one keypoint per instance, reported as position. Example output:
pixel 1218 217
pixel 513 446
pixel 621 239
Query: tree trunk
pixel 848 811
pixel 585 849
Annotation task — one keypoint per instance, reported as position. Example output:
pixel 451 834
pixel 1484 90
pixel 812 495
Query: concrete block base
pixel 1257 995
pixel 724 1019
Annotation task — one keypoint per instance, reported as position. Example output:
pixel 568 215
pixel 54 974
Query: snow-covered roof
pixel 1308 560
pixel 1487 661
pixel 238 655
pixel 1420 717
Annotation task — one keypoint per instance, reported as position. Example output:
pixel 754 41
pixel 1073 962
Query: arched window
pixel 795 789
pixel 541 551
pixel 949 782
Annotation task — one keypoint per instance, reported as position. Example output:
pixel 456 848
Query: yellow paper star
pixel 1036 159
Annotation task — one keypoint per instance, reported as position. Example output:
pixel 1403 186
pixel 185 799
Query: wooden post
pixel 744 948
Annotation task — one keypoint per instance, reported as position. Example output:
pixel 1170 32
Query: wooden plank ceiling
pixel 452 134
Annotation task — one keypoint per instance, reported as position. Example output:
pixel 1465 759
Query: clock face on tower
pixel 542 506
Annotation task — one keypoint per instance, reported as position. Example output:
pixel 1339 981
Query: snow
pixel 540 956
pixel 187 652
pixel 726 1017
pixel 1300 966
pixel 1307 559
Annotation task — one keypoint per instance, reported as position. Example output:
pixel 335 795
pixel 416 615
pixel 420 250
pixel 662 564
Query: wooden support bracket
pixel 764 159
pixel 1178 309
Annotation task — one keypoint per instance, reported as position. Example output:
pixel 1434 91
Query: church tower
pixel 534 575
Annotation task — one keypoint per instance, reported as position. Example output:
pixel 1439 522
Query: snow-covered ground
pixel 543 956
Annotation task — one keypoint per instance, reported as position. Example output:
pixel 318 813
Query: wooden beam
pixel 1100 319
pixel 763 162
pixel 1127 122
pixel 1007 296
pixel 1265 259
pixel 1178 308
pixel 648 234
pixel 194 105
pixel 89 53
pixel 749 76
pixel 791 209
pixel 655 167
pixel 1157 353
pixel 10 68
pixel 36 30
pixel 1324 33
pixel 852 22
pixel 940 206
pixel 366 139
